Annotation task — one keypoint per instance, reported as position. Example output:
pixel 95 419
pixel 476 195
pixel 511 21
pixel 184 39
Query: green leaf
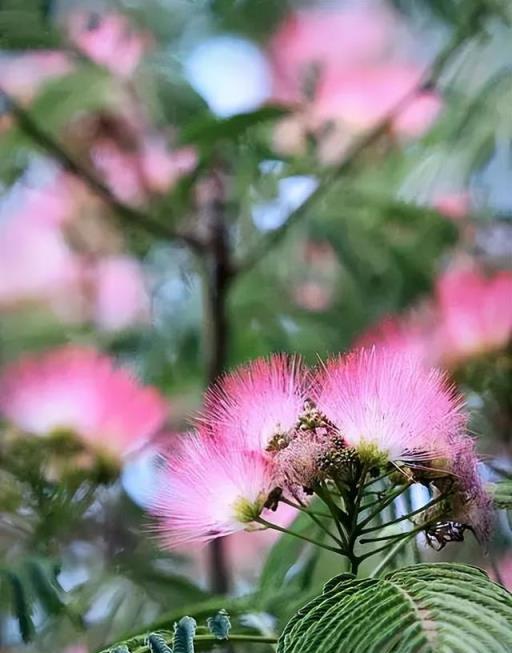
pixel 207 131
pixel 62 99
pixel 427 608
pixel 502 494
pixel 26 27
pixel 284 556
pixel 21 605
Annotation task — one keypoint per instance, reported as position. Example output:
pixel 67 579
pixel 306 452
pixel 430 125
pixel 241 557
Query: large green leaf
pixel 502 494
pixel 436 608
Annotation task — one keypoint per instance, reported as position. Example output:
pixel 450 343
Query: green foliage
pixel 427 608
pixel 502 494
pixel 32 583
pixel 219 625
pixel 24 24
pixel 157 644
pixel 184 632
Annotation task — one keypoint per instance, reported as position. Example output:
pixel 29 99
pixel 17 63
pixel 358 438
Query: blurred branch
pixel 131 215
pixel 329 179
pixel 217 276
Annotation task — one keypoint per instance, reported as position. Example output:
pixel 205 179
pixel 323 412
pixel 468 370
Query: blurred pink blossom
pixel 359 98
pixel 37 266
pixel 109 40
pixel 312 296
pixel 336 68
pixel 82 391
pixel 454 205
pixel 317 42
pixel 412 335
pixel 22 75
pixel 163 168
pixel 120 295
pixel 475 312
pixel 132 174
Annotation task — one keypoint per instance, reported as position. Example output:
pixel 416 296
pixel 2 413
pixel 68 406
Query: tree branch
pixel 331 176
pixel 130 214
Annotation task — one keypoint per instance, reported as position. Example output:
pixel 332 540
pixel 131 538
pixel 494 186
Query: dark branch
pixel 130 214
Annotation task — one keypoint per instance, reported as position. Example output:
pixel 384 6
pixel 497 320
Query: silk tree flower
pixel 413 335
pixel 37 267
pixel 210 488
pixel 22 75
pixel 109 40
pixel 313 42
pixel 79 391
pixel 260 403
pixel 120 296
pixel 390 407
pixel 336 69
pixel 475 312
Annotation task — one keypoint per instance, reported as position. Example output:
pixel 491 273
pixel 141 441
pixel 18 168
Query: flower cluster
pixel 275 431
pixel 336 66
pixel 470 315
pixel 80 393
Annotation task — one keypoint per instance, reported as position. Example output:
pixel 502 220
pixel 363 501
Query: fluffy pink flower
pixel 324 39
pixel 37 265
pixel 475 312
pixel 120 295
pixel 208 489
pixel 163 168
pixel 109 40
pixel 257 403
pixel 22 75
pixel 412 335
pixel 454 205
pixel 359 98
pixel 390 406
pixel 79 390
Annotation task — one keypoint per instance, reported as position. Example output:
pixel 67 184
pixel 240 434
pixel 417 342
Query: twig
pixel 331 176
pixel 129 213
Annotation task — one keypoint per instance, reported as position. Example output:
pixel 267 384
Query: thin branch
pixel 331 176
pixel 52 147
pixel 428 505
pixel 275 527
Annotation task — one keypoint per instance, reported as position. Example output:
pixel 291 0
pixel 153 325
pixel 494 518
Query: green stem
pixel 428 505
pixel 396 536
pixel 315 518
pixel 336 512
pixel 389 557
pixel 381 507
pixel 275 527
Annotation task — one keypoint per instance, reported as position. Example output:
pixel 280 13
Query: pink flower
pixel 324 39
pixel 454 205
pixel 22 75
pixel 108 40
pixel 390 407
pixel 119 169
pixel 258 403
pixel 475 312
pixel 359 98
pixel 208 489
pixel 78 390
pixel 412 335
pixel 120 295
pixel 37 266
pixel 163 168
pixel 335 67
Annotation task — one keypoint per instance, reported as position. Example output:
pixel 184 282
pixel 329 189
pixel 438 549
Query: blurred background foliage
pixel 78 567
